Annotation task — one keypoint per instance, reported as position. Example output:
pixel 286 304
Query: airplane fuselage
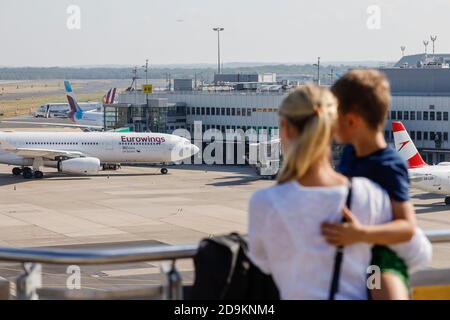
pixel 434 179
pixel 107 147
pixel 90 118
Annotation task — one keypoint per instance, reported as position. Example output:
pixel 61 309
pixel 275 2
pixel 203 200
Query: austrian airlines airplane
pixel 84 153
pixel 434 179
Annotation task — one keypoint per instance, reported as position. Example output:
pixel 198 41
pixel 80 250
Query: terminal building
pixel 420 88
pixel 421 100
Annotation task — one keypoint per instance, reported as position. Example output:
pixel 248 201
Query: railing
pixel 29 284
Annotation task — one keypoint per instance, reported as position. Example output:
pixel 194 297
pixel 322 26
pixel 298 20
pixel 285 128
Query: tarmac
pixel 137 205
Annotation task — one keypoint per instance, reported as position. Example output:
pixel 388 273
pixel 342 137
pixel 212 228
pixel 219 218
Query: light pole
pixel 425 43
pixel 403 48
pixel 147 109
pixel 433 39
pixel 318 70
pixel 146 71
pixel 218 30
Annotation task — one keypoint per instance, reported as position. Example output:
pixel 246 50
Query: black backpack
pixel 223 271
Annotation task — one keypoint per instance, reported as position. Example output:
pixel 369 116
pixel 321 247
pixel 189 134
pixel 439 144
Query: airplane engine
pixel 80 165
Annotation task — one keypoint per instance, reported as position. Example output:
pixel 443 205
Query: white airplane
pixel 84 153
pixel 434 179
pixel 84 119
pixel 78 116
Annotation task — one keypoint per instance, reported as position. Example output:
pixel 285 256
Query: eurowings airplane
pixel 78 116
pixel 89 120
pixel 434 179
pixel 84 153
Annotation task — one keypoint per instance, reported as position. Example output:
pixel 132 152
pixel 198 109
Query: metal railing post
pixel 4 289
pixel 28 282
pixel 172 283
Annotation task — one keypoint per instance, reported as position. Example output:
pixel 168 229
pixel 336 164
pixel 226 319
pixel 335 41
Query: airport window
pixel 217 111
pixel 188 111
pixel 203 111
pixel 228 111
pixel 425 135
pixel 425 116
pixel 413 135
pixel 412 115
pixel 399 115
pixel 233 111
pixel 249 112
pixel 439 116
pixel 198 111
pixel 243 112
pixel 419 135
pixel 445 116
pixel 222 111
pixel 393 115
pixel 238 111
pixel 432 116
pixel 208 111
pixel 254 110
pixel 213 111
pixel 419 115
pixel 406 115
pixel 432 136
pixel 445 136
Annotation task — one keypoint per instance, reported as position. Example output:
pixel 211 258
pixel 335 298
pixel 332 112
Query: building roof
pixel 412 60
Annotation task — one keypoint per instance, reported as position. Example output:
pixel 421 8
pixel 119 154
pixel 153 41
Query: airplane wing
pixel 49 154
pixel 69 125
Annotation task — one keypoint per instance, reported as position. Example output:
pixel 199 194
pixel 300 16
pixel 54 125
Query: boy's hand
pixel 341 234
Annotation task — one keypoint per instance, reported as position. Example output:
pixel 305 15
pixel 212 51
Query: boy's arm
pixel 401 229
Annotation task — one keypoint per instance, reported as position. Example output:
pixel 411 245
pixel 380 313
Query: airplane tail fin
pixel 75 110
pixel 110 96
pixel 405 146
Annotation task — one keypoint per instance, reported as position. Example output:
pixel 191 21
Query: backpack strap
pixel 334 288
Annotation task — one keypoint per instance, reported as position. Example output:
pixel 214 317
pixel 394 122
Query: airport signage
pixel 147 88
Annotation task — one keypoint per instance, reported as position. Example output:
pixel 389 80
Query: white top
pixel 285 238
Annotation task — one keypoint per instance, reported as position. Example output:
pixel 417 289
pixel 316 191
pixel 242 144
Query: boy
pixel 364 99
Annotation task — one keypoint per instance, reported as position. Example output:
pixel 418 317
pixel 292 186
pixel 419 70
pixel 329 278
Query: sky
pixel 118 32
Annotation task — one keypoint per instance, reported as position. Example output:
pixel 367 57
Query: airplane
pixel 78 116
pixel 88 120
pixel 85 152
pixel 434 179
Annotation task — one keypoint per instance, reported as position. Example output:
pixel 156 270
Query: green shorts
pixel 388 261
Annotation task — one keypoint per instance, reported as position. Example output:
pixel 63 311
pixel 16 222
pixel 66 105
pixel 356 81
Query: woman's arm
pixel 258 208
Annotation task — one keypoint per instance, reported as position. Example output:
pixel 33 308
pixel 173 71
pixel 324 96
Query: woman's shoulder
pixel 370 198
pixel 263 198
pixel 367 186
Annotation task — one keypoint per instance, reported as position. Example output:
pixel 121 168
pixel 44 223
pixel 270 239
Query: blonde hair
pixel 313 111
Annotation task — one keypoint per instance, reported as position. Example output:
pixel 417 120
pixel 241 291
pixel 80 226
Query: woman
pixel 285 220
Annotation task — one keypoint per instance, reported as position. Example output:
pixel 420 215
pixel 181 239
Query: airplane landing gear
pixel 38 174
pixel 111 166
pixel 447 201
pixel 164 170
pixel 17 171
pixel 27 173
